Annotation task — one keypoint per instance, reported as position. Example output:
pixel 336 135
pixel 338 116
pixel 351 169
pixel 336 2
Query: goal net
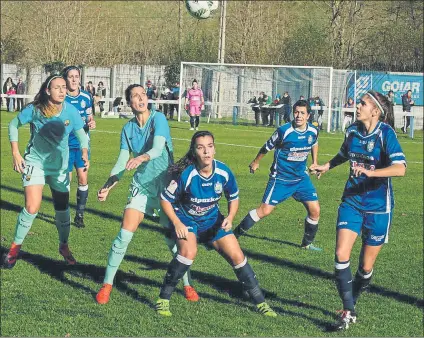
pixel 230 90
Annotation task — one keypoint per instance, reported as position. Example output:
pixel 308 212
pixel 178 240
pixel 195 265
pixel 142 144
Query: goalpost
pixel 227 88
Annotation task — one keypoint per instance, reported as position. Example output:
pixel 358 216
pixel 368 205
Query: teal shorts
pixel 144 198
pixel 58 181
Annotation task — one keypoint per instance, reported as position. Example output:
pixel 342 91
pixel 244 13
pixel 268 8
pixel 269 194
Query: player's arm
pixel 233 206
pixel 269 145
pixel 395 170
pixel 83 140
pixel 115 175
pixel 157 148
pixel 18 161
pixel 168 197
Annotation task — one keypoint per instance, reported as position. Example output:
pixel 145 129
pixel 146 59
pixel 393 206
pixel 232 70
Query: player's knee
pixel 237 258
pixel 189 253
pixel 366 268
pixel 264 210
pixel 32 209
pixel 341 255
pixel 314 212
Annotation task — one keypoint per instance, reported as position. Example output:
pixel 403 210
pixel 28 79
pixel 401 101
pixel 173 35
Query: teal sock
pixel 116 254
pixel 23 224
pixel 63 224
pixel 173 247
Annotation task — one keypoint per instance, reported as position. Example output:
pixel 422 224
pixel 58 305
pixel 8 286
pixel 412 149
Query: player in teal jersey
pixel 83 101
pixel 148 138
pixel 46 161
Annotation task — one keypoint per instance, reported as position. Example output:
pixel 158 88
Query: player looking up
pixel 147 137
pixel 375 155
pixel 83 101
pixel 191 203
pixel 288 177
pixel 46 161
pixel 196 103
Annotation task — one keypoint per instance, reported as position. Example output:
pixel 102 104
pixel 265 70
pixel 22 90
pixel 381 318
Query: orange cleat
pixel 190 294
pixel 103 295
pixel 9 260
pixel 67 254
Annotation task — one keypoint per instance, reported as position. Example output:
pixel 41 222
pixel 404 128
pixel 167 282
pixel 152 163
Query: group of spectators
pixel 11 88
pixel 97 95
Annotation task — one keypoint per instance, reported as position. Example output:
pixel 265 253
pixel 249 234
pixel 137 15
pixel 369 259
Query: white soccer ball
pixel 213 5
pixel 198 9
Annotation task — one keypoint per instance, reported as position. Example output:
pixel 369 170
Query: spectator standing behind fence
pixel 320 104
pixel 167 95
pixel 390 116
pixel 101 93
pixel 286 100
pixel 264 100
pixel 175 96
pixel 255 107
pixel 7 84
pixel 20 90
pixel 92 91
pixel 335 116
pixel 348 115
pixel 151 92
pixel 407 103
pixel 11 92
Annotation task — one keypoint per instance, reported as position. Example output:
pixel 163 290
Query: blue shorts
pixel 75 159
pixel 278 191
pixel 204 235
pixel 374 226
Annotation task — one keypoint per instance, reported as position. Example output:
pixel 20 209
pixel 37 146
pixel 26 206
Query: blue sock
pixel 82 196
pixel 23 224
pixel 343 275
pixel 63 224
pixel 116 254
pixel 247 277
pixel 248 222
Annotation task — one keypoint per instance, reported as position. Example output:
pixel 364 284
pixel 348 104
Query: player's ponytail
pixel 189 158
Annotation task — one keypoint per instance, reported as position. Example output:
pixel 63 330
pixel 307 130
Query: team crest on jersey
pixel 66 123
pixel 172 187
pixel 218 187
pixel 83 105
pixel 370 146
pixel 310 139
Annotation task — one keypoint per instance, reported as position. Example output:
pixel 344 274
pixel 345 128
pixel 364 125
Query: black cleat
pixel 79 221
pixel 345 319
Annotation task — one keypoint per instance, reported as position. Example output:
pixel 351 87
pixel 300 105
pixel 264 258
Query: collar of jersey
pixel 213 171
pixel 152 113
pixel 375 131
pixel 73 97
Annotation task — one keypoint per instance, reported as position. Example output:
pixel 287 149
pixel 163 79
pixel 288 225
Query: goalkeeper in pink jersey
pixel 196 103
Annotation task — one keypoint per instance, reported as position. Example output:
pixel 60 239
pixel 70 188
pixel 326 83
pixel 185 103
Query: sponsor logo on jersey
pixel 83 105
pixel 370 146
pixel 301 137
pixel 218 187
pixel 310 139
pixel 206 184
pixel 66 123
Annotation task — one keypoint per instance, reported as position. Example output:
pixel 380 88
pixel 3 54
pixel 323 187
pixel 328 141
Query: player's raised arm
pixel 269 145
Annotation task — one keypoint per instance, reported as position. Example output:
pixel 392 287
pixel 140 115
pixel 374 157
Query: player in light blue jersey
pixel 148 138
pixel 83 101
pixel 374 155
pixel 191 203
pixel 46 161
pixel 289 177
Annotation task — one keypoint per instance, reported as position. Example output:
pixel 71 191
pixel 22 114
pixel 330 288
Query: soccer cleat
pixel 9 260
pixel 67 254
pixel 190 293
pixel 162 307
pixel 196 128
pixel 191 128
pixel 265 309
pixel 79 221
pixel 103 295
pixel 342 323
pixel 311 247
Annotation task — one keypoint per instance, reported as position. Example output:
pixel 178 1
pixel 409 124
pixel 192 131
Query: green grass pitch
pixel 42 296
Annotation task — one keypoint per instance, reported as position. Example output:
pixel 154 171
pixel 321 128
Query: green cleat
pixel 311 247
pixel 162 307
pixel 266 310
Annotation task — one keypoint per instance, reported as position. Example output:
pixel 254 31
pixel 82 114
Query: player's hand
pixel 85 159
pixel 91 124
pixel 133 163
pixel 102 194
pixel 358 171
pixel 202 107
pixel 227 224
pixel 181 231
pixel 253 167
pixel 18 163
pixel 318 170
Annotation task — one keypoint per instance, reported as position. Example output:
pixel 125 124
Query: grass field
pixel 42 296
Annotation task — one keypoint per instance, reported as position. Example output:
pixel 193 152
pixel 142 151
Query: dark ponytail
pixel 189 158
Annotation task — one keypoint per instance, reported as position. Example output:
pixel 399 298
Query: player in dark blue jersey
pixel 375 155
pixel 288 177
pixel 191 203
pixel 83 101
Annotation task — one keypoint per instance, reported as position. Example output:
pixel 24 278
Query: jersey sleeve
pixel 393 149
pixel 172 192
pixel 231 190
pixel 26 115
pixel 125 145
pixel 344 147
pixel 271 143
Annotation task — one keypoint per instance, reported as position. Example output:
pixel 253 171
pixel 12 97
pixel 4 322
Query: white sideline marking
pixel 225 144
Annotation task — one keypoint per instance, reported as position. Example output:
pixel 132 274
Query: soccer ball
pixel 201 9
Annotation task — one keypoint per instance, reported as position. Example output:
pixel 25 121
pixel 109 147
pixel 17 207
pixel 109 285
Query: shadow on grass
pixel 213 280
pixel 273 240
